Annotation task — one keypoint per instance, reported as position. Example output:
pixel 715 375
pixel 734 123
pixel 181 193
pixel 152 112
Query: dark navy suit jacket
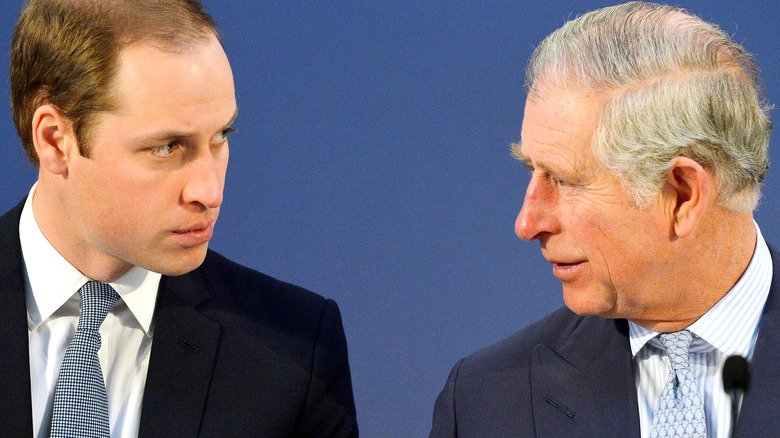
pixel 235 354
pixel 572 376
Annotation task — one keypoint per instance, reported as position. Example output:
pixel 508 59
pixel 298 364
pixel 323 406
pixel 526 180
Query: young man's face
pixel 149 192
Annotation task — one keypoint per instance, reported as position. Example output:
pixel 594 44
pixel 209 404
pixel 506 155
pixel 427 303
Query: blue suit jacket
pixel 572 376
pixel 235 354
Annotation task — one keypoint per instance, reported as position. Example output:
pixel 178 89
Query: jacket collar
pixel 578 387
pixel 760 412
pixel 182 358
pixel 15 395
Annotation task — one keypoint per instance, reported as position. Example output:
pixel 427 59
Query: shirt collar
pixel 731 325
pixel 52 280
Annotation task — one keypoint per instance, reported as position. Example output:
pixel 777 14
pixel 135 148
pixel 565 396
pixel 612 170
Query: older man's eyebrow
pixel 517 151
pixel 542 167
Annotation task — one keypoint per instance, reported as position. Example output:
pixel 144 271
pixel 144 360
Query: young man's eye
pixel 222 135
pixel 166 149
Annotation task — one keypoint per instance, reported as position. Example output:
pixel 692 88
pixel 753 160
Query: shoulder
pixel 488 392
pixel 243 297
pixel 282 345
pixel 218 271
pixel 226 279
pixel 10 245
pixel 559 330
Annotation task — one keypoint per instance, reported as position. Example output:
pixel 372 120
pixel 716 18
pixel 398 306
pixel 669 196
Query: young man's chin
pixel 181 263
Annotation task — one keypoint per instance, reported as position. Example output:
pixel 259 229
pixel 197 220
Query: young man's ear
pixel 690 189
pixel 53 139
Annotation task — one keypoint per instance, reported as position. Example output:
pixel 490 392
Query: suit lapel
pixel 578 387
pixel 760 412
pixel 15 392
pixel 181 362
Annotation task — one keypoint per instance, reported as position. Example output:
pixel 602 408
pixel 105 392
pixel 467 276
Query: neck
pixel 64 234
pixel 707 268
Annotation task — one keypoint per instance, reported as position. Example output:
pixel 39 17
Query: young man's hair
pixel 65 53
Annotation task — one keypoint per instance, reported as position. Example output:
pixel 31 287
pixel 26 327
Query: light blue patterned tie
pixel 680 412
pixel 80 401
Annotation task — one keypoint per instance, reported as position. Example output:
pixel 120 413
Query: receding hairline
pixel 558 75
pixel 106 27
pixel 137 20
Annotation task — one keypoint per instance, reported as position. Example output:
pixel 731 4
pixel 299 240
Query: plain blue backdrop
pixel 372 165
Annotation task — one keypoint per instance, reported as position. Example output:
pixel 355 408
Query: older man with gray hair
pixel 646 135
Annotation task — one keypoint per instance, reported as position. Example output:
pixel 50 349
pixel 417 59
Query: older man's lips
pixel 568 271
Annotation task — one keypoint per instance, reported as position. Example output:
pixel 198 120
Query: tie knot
pixel 677 345
pixel 97 299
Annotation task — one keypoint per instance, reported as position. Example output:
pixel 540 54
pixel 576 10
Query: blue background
pixel 372 166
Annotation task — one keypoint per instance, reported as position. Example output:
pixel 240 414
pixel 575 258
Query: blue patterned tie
pixel 680 412
pixel 80 401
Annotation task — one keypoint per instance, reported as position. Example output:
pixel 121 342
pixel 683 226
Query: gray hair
pixel 672 85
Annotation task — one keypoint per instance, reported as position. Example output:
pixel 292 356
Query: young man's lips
pixel 196 235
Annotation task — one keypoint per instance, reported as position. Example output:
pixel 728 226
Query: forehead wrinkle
pixel 554 158
pixel 558 133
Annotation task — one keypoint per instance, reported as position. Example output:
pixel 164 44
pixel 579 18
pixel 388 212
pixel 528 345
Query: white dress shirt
pixel 52 286
pixel 728 328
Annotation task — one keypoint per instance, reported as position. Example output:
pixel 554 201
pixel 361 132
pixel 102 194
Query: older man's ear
pixel 689 189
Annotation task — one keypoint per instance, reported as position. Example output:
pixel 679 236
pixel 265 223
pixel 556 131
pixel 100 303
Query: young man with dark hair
pixel 118 319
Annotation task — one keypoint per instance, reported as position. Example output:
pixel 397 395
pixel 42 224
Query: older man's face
pixel 609 255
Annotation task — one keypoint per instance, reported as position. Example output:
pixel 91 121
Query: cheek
pixel 122 204
pixel 610 243
pixel 222 164
pixel 628 253
pixel 589 226
pixel 119 217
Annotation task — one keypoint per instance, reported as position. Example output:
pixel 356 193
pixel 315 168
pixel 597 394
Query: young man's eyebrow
pixel 172 135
